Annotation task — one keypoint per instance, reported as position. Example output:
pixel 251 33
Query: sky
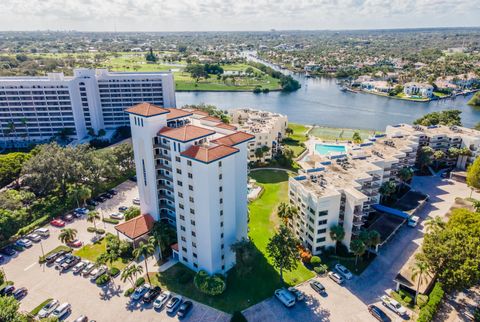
pixel 234 15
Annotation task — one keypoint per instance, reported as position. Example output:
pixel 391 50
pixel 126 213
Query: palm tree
pixel 358 248
pixel 80 193
pixel 337 233
pixel 404 175
pixel 286 211
pixel 92 216
pixel 144 250
pixel 164 236
pixel 387 189
pixel 67 235
pixel 434 224
pixel 130 273
pixel 420 269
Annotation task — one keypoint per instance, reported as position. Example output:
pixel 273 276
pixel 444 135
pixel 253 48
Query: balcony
pixel 161 166
pixel 166 206
pixel 165 197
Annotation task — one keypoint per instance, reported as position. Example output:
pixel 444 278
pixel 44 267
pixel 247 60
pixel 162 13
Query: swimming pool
pixel 325 149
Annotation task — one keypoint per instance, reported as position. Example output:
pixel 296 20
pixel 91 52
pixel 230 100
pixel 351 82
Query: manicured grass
pixel 92 251
pixel 245 290
pixel 39 307
pixel 55 250
pixel 294 141
pixel 331 133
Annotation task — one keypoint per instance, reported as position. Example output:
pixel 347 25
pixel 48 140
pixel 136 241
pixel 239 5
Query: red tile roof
pixel 234 138
pixel 146 109
pixel 174 113
pixel 225 126
pixel 208 154
pixel 136 227
pixel 185 133
pixel 198 112
pixel 211 119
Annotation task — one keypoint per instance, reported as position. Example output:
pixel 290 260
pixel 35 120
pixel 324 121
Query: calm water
pixel 324 149
pixel 320 102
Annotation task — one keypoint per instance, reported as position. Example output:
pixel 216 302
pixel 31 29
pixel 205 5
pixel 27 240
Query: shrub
pixel 139 281
pixel 321 269
pixel 102 279
pixel 209 284
pixel 422 300
pixel 114 272
pixel 315 261
pixel 427 313
pixel 91 229
pixel 132 212
pixel 110 221
pixel 237 316
pixel 100 231
pixel 129 291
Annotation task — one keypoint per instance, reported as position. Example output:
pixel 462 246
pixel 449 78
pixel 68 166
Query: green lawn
pixel 244 291
pixel 293 141
pixel 92 251
pixel 331 133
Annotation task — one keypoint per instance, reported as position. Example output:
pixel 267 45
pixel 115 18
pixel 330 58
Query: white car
pixel 136 201
pixel 44 232
pixel 62 310
pixel 118 216
pixel 393 305
pixel 342 270
pixel 174 303
pixel 34 237
pixel 284 296
pixel 48 309
pixel 140 291
pixel 336 277
pixel 77 269
pixel 161 300
pixel 97 272
pixel 413 221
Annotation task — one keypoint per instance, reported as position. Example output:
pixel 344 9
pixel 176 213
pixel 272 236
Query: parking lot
pixel 98 303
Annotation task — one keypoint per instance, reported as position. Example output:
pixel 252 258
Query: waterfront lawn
pixel 92 251
pixel 331 133
pixel 245 290
pixel 295 140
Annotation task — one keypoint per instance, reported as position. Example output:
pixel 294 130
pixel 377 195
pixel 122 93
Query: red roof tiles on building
pixel 175 113
pixel 211 119
pixel 185 133
pixel 234 138
pixel 207 154
pixel 136 227
pixel 226 126
pixel 146 109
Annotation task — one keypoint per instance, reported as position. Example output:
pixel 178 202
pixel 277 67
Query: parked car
pixel 88 269
pixel 117 216
pixel 75 243
pixel 285 297
pixel 77 269
pixel 378 314
pixel 68 218
pixel 34 237
pixel 342 270
pixel 108 195
pixel 8 251
pixel 140 291
pixel 413 221
pixel 81 318
pixel 57 223
pixel 7 290
pixel 62 310
pixel 20 293
pixel 61 259
pixel 161 300
pixel 24 243
pixel 122 208
pixel 136 201
pixel 318 287
pixel 100 199
pixel 336 277
pixel 92 202
pixel 70 262
pixel 113 192
pixel 174 303
pixel 48 309
pixel 393 305
pixel 299 296
pixel 97 272
pixel 151 294
pixel 44 232
pixel 50 259
pixel 184 309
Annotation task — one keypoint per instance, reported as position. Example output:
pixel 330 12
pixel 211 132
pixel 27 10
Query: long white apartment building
pixel 441 138
pixel 340 189
pixel 34 109
pixel 192 173
pixel 267 127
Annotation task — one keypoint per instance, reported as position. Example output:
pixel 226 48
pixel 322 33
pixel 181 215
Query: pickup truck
pixel 393 305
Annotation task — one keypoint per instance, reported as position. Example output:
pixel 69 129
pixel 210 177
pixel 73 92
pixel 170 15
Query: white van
pixel 62 310
pixel 44 232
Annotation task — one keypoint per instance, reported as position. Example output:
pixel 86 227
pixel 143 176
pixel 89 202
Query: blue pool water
pixel 324 149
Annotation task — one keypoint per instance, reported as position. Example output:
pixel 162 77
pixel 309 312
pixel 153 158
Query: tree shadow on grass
pixel 269 176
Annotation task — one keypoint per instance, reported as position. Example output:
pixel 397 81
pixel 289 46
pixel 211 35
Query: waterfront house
pixel 418 89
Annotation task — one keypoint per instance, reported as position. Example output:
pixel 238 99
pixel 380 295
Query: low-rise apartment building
pixel 35 109
pixel 192 174
pixel 267 127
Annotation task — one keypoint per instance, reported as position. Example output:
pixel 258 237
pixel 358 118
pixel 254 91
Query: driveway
pixel 100 304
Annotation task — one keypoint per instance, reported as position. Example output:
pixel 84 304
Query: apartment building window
pixel 321 239
pixel 184 249
pixel 223 257
pixel 221 235
pixel 180 195
pixel 194 234
pixel 177 159
pixel 180 206
pixel 322 231
pixel 182 217
pixel 220 177
pixel 179 183
pixel 223 267
pixel 184 239
pixel 190 176
pixel 182 228
pixel 323 213
pixel 185 259
pixel 221 212
pixel 311 220
pixel 195 265
pixel 322 222
pixel 223 246
pixel 221 200
pixel 144 172
pixel 221 224
pixel 190 187
pixel 189 163
pixel 219 163
pixel 192 222
pixel 192 211
pixel 179 171
pixel 194 244
pixel 194 255
pixel 220 189
pixel 190 198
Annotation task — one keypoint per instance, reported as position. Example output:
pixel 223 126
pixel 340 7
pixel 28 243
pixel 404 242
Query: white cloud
pixel 161 15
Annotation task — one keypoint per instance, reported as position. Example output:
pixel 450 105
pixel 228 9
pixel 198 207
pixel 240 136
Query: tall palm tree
pixel 80 193
pixel 144 250
pixel 92 216
pixel 434 224
pixel 286 211
pixel 130 273
pixel 358 248
pixel 420 269
pixel 337 233
pixel 67 235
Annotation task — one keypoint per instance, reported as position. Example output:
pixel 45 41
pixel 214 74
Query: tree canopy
pixel 447 117
pixel 282 249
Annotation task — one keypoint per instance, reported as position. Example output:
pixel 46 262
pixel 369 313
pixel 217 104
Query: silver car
pixel 48 309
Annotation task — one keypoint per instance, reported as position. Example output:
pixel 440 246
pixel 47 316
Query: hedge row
pixel 427 313
pixel 111 221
